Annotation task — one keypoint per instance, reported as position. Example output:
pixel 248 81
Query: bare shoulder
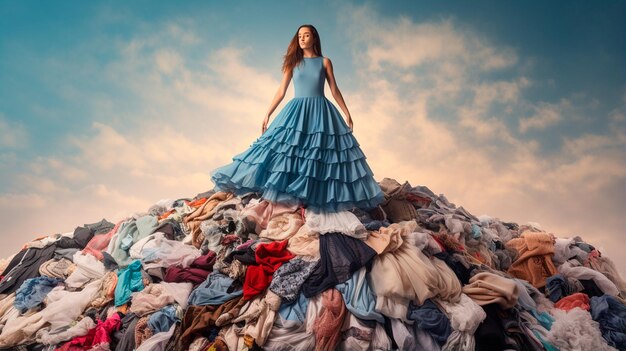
pixel 327 62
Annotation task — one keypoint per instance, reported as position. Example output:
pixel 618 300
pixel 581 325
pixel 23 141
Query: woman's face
pixel 305 38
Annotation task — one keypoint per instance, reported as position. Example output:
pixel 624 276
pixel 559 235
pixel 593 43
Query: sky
pixel 516 110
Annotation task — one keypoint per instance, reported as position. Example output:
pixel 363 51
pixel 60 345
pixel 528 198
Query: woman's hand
pixel 264 125
pixel 350 123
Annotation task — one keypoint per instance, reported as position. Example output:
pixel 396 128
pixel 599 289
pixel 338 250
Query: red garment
pixel 268 257
pixel 575 300
pixel 97 336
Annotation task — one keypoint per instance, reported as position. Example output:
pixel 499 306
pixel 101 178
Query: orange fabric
pixel 534 263
pixel 572 301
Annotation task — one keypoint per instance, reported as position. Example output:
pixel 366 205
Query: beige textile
pixel 282 227
pixel 487 288
pixel 204 212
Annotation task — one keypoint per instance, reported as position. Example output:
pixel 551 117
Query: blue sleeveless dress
pixel 307 156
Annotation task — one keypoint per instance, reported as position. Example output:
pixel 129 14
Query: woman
pixel 308 155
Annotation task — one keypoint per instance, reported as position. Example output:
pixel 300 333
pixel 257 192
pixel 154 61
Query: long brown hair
pixel 295 54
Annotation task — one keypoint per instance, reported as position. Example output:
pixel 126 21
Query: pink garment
pixel 572 301
pixel 100 242
pixel 268 257
pixel 327 325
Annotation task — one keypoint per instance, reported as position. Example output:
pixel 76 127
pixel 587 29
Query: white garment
pixel 87 269
pixel 50 337
pixel 465 316
pixel 157 251
pixel 572 269
pixel 575 330
pixel 343 222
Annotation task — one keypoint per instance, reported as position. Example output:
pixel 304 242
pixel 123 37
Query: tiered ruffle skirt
pixel 308 156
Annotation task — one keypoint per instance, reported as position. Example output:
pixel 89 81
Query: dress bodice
pixel 309 77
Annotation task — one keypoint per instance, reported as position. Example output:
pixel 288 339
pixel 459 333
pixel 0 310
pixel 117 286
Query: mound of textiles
pixel 219 272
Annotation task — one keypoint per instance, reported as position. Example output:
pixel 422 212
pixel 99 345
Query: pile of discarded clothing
pixel 225 272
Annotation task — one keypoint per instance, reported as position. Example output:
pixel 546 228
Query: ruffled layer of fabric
pixel 307 156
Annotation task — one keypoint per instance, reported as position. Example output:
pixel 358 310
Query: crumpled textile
pixel 60 268
pixel 269 257
pixel 534 262
pixel 579 300
pixel 158 341
pixel 486 288
pixel 55 337
pixel 259 315
pixel 97 338
pixel 106 292
pixel 129 233
pixel 87 269
pixel 327 325
pixel 359 297
pixel 575 330
pixel 305 243
pixel 193 220
pixel 429 318
pixel 156 296
pixel 289 277
pixel 356 335
pixel 566 249
pixel 214 291
pixel 129 280
pixel 261 212
pixel 63 307
pixel 282 227
pixel 200 320
pixel 289 331
pixel 611 314
pixel 100 242
pixel 163 319
pixel 396 206
pixel 403 273
pixel 33 291
pixel 605 266
pixel 196 273
pixel 341 256
pixel 573 269
pixel 156 251
pixel 558 286
pixel 465 317
pixel 343 222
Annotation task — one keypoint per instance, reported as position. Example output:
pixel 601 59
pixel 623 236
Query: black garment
pixel 125 336
pixel 590 288
pixel 340 256
pixel 24 265
pixel 81 237
pixel 490 333
pixel 101 227
pixel 462 273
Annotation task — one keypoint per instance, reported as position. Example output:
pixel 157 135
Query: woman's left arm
pixel 330 76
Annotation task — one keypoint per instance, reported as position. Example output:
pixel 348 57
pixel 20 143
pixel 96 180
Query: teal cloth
pixel 129 233
pixel 129 280
pixel 308 155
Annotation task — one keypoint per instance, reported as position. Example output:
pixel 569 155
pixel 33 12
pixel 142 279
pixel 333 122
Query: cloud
pixel 456 129
pixel 546 115
pixel 13 134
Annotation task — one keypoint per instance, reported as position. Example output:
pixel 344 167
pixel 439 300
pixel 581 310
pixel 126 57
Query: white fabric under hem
pixel 343 222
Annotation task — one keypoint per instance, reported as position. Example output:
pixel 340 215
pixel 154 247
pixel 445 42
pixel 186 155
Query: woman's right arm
pixel 280 94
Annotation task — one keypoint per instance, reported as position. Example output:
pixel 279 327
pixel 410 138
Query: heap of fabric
pixel 225 272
